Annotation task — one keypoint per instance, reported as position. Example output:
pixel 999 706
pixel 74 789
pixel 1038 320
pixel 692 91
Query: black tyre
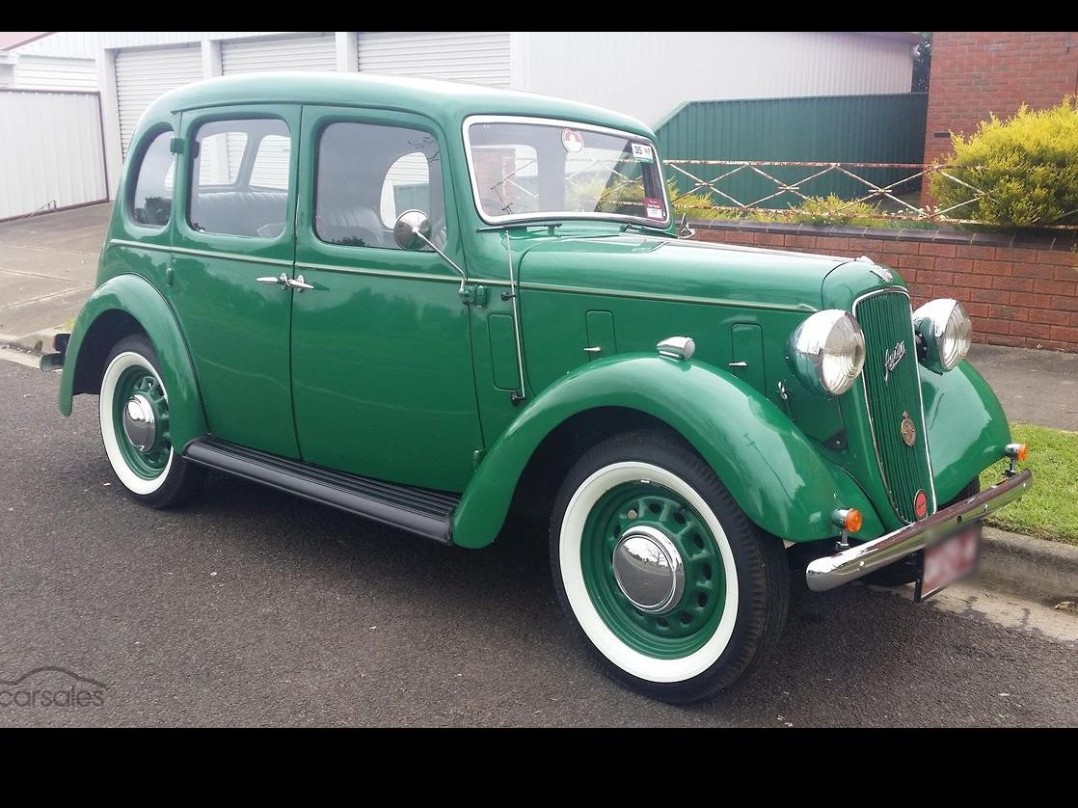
pixel 133 409
pixel 667 581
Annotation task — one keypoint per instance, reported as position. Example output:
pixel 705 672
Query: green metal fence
pixel 842 129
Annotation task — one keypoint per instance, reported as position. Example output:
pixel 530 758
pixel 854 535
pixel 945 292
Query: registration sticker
pixel 572 140
pixel 643 152
pixel 653 208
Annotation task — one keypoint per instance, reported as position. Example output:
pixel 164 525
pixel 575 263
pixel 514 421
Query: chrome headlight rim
pixel 946 333
pixel 827 352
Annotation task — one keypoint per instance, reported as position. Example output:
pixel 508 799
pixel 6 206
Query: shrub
pixel 698 205
pixel 1025 168
pixel 832 209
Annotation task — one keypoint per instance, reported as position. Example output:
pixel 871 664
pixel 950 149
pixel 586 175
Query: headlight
pixel 945 333
pixel 827 352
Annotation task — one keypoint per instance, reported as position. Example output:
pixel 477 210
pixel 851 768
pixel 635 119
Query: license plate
pixel 951 560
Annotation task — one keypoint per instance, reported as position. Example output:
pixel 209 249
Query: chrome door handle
pixel 298 283
pixel 280 280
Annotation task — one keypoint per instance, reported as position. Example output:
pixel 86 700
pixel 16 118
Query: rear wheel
pixel 134 415
pixel 668 582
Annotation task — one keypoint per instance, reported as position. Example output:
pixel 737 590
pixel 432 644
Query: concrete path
pixel 47 269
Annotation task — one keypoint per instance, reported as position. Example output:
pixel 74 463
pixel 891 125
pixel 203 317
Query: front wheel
pixel 669 583
pixel 134 413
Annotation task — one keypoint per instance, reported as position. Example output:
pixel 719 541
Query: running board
pixel 421 511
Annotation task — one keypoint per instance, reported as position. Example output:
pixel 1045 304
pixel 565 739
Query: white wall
pixel 46 72
pixel 51 153
pixel 648 74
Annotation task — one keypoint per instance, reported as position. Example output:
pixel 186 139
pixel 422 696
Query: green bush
pixel 698 205
pixel 1025 168
pixel 832 209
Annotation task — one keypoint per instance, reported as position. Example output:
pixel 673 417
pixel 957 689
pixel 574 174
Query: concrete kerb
pixel 40 342
pixel 1035 569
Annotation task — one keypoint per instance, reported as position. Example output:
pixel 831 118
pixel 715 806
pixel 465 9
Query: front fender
pixel 967 428
pixel 133 297
pixel 772 470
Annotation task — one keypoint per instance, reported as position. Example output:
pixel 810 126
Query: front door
pixel 233 252
pixel 382 380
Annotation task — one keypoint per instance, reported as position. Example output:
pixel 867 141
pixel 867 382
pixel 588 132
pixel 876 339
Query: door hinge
pixel 477 457
pixel 474 295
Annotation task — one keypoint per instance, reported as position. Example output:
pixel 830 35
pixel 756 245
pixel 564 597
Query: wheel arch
pixel 771 469
pixel 566 443
pixel 126 305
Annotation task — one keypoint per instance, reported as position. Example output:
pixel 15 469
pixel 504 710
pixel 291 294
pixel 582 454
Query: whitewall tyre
pixel 134 416
pixel 668 582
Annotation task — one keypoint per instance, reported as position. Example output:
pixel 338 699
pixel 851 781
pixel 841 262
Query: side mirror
pixel 412 230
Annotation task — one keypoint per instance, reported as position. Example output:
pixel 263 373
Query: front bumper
pixel 850 564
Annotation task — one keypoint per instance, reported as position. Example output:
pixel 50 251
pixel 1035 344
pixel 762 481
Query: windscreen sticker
pixel 643 152
pixel 653 207
pixel 572 140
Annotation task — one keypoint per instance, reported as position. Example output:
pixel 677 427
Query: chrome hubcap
pixel 649 570
pixel 140 425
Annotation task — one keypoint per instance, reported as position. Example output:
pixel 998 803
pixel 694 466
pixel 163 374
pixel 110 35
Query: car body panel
pixel 771 469
pixel 135 297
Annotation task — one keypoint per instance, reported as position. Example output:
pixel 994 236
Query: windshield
pixel 541 169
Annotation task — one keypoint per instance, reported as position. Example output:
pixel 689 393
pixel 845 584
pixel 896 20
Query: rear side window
pixel 240 178
pixel 151 202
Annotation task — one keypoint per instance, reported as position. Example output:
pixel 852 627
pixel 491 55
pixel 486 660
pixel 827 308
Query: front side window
pixel 240 178
pixel 151 202
pixel 368 175
pixel 532 168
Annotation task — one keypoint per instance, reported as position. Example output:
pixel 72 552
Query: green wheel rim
pixel 151 463
pixel 694 618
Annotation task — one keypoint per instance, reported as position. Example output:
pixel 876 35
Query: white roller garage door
pixel 480 57
pixel 307 52
pixel 143 75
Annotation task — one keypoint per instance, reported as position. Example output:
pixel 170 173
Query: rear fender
pixel 125 305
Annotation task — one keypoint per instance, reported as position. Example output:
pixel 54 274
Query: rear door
pixel 233 262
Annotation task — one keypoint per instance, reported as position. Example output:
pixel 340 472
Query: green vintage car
pixel 431 304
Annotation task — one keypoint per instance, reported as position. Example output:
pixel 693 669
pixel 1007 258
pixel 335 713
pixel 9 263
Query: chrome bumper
pixel 861 559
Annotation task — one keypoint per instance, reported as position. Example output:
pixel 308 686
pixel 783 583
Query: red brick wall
pixel 1019 296
pixel 982 72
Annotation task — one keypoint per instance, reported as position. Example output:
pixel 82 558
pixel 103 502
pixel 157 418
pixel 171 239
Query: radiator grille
pixel 893 395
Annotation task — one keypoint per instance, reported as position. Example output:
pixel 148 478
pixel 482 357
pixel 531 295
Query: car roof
pixel 447 102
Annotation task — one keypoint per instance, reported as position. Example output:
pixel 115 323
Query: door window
pixel 367 176
pixel 241 178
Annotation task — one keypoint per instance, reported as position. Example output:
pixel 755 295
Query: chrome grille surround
pixel 892 391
